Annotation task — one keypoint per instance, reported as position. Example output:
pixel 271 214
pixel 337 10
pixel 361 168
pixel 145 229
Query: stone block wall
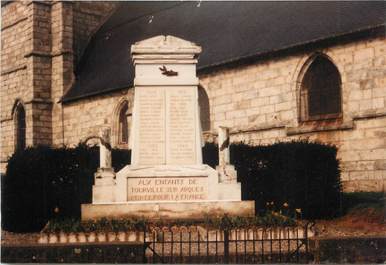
pixel 41 41
pixel 16 35
pixel 84 118
pixel 88 16
pixel 260 102
pixel 75 23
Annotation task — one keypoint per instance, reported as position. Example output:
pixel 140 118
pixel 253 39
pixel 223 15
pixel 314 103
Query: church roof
pixel 226 31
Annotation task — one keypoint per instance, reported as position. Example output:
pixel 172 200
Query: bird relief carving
pixel 167 72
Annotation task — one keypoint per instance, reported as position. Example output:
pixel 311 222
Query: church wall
pixel 41 41
pixel 260 103
pixel 15 33
pixel 86 117
pixel 75 23
pixel 88 16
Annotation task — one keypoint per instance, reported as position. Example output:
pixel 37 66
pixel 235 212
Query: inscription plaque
pixel 167 189
pixel 167 125
pixel 151 126
pixel 181 125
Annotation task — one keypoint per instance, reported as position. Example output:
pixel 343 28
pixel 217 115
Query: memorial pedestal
pixel 173 183
pixel 169 210
pixel 166 178
pixel 165 191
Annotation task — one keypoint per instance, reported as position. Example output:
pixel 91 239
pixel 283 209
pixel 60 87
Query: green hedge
pixel 304 176
pixel 42 183
pixel 301 174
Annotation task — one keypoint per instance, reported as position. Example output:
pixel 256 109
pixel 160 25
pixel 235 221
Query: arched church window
pixel 20 127
pixel 321 90
pixel 123 127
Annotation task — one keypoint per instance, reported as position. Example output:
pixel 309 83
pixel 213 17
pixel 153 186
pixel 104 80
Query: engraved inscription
pixel 168 189
pixel 181 125
pixel 151 126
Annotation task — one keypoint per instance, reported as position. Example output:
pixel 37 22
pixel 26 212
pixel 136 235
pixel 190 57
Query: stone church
pixel 270 71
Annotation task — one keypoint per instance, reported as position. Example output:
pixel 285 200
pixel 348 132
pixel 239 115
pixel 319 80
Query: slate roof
pixel 227 32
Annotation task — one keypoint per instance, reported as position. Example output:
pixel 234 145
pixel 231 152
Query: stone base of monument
pixel 173 183
pixel 104 187
pixel 227 174
pixel 169 210
pixel 167 191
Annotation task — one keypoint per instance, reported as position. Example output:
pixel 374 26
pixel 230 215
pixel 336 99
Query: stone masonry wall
pixel 260 103
pixel 84 118
pixel 14 31
pixel 88 17
pixel 25 76
pixel 77 21
pixel 41 41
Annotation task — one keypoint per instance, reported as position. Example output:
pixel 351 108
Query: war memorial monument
pixel 166 177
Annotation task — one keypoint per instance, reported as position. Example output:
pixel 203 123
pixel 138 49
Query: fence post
pixel 306 238
pixel 226 246
pixel 144 245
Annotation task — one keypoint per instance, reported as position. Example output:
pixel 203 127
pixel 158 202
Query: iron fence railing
pixel 103 252
pixel 178 244
pixel 254 245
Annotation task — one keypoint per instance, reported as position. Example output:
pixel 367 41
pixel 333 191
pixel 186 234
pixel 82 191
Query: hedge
pixel 42 183
pixel 270 219
pixel 297 176
pixel 303 175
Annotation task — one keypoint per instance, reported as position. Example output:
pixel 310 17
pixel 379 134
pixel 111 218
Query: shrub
pixel 43 183
pixel 300 174
pixel 210 154
pixel 117 225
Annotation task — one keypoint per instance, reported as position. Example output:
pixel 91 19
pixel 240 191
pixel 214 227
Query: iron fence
pixel 106 252
pixel 247 246
pixel 178 244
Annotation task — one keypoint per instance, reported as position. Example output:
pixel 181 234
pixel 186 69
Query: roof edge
pixel 297 45
pixel 208 68
pixel 66 100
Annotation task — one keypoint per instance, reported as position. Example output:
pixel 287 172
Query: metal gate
pixel 195 244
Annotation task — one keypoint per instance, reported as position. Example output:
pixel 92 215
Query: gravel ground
pixel 10 238
pixel 361 224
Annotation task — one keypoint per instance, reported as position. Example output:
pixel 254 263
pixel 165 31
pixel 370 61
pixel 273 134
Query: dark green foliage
pixel 69 225
pixel 302 174
pixel 43 183
pixel 210 154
